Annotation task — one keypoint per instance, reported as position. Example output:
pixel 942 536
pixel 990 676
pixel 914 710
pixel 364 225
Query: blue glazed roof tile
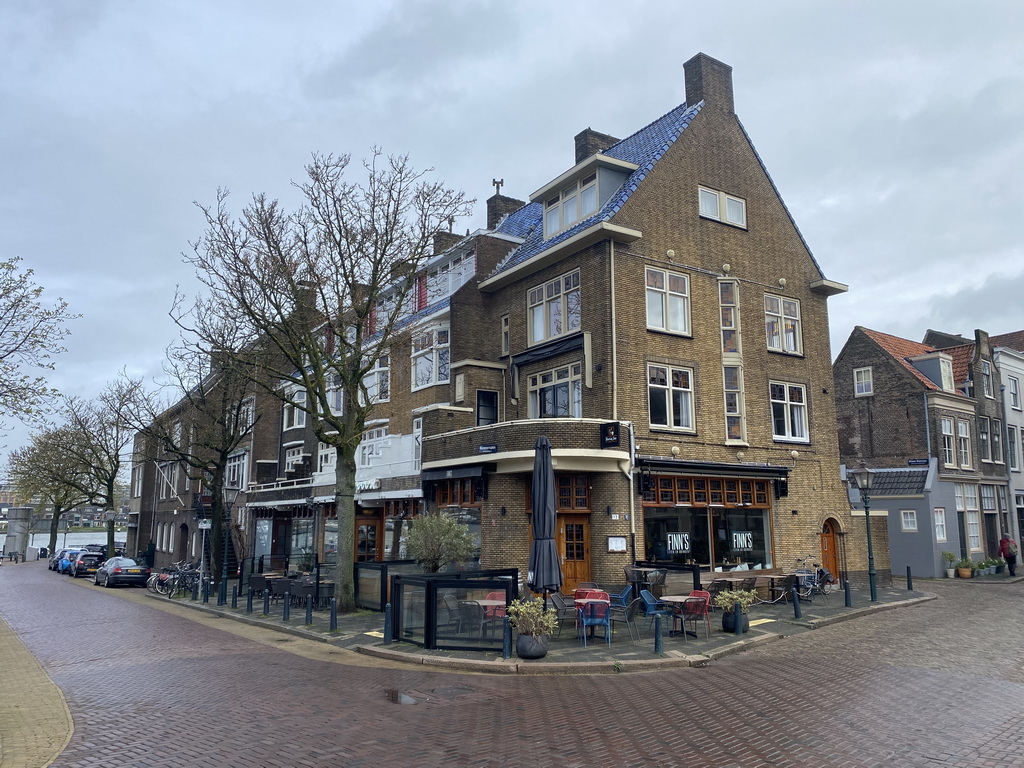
pixel 644 149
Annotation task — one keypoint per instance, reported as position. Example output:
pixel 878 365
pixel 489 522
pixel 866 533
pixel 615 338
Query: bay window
pixel 554 308
pixel 430 357
pixel 556 394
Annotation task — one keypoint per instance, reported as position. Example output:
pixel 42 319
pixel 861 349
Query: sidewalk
pixel 362 632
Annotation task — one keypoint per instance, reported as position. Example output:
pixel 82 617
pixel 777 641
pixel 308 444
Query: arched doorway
pixel 829 550
pixel 181 550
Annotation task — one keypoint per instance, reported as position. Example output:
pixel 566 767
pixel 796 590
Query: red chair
pixel 492 612
pixel 694 609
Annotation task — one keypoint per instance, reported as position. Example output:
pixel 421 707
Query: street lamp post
pixel 863 478
pixel 228 496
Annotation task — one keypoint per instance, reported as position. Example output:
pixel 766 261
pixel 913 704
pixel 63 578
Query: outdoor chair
pixel 634 577
pixel 587 585
pixel 451 612
pixel 655 581
pixel 472 618
pixel 566 611
pixel 694 610
pixel 653 606
pixel 257 584
pixel 626 614
pixel 622 599
pixel 495 612
pixel 782 591
pixel 716 586
pixel 595 615
pixel 279 588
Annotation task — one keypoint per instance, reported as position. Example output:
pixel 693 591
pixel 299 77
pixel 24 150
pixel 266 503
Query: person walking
pixel 1008 549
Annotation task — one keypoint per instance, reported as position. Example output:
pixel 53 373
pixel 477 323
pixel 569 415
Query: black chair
pixel 716 586
pixel 694 610
pixel 566 610
pixel 781 591
pixel 279 588
pixel 257 584
pixel 626 614
pixel 655 582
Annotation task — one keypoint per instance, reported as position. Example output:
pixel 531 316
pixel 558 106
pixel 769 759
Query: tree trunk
pixel 344 501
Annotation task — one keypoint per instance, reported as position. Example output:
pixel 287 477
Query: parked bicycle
pixel 812 578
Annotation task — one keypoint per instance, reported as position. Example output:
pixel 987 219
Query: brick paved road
pixel 938 684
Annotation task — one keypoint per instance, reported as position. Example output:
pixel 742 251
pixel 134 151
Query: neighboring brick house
pixel 663 322
pixel 929 418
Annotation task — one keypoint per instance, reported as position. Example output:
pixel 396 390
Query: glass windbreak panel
pixel 370 585
pixel 301 558
pixel 261 546
pixel 331 540
pixel 413 614
pixel 396 530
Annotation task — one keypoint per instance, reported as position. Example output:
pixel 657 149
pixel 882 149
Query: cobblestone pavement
pixel 152 685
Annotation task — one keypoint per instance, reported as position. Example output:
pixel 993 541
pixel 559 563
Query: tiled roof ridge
pixel 901 349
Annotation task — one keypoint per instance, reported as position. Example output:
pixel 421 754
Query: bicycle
pixel 812 578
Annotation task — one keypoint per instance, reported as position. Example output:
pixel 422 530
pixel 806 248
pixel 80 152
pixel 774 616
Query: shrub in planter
pixel 534 626
pixel 727 599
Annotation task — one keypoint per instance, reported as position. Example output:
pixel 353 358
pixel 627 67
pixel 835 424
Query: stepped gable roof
pixel 1014 340
pixel 902 350
pixel 898 482
pixel 644 148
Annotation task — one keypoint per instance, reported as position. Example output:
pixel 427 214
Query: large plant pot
pixel 951 573
pixel 729 622
pixel 532 646
pixel 964 573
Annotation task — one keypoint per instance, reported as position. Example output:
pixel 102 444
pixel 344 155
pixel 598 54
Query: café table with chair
pixel 692 607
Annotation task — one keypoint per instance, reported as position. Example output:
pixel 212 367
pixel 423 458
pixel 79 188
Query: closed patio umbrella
pixel 545 572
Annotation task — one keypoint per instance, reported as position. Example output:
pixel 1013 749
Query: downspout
pixel 614 347
pixel 1005 437
pixel 927 424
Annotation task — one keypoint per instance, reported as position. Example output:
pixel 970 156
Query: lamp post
pixel 863 478
pixel 228 496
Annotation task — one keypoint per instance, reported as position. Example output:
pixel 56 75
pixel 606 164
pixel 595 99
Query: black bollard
pixel 195 590
pixel 506 639
pixel 848 593
pixel 309 609
pixel 206 591
pixel 234 596
pixel 658 642
pixel 334 614
pixel 737 617
pixel 266 602
pixel 910 581
pixel 696 578
pixel 387 624
pixel 796 604
pixel 287 610
pixel 248 601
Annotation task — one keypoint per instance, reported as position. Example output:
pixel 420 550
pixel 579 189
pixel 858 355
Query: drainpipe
pixel 614 346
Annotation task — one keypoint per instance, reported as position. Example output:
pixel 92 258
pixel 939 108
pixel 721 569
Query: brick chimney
pixel 500 206
pixel 709 80
pixel 590 142
pixel 445 240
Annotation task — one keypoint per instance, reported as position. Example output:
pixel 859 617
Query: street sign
pixel 205 525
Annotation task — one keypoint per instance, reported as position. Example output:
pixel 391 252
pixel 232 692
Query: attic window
pixel 722 207
pixel 575 202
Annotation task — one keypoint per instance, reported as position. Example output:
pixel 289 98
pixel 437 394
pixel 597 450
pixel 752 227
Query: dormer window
pixel 946 369
pixel 576 201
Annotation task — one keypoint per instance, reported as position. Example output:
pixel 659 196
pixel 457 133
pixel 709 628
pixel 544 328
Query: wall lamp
pixel 609 510
pixel 504 511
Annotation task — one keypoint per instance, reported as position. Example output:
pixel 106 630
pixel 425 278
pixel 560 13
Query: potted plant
pixel 534 625
pixel 950 558
pixel 964 568
pixel 727 599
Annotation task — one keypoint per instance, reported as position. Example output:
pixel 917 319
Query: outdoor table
pixel 582 604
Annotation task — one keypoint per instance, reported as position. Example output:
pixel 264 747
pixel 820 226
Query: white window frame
pixel 735 406
pixel 377 380
pixel 674 390
pixel 966 496
pixel 908 520
pixel 1014 387
pixel 997 441
pixel 568 377
pixel 948 442
pixel 505 335
pixel 372 446
pixel 555 308
pixel 793 412
pixel 431 357
pixel 293 457
pixel 963 443
pixel 946 372
pixel 939 523
pixel 863 382
pixel 417 443
pixel 782 324
pixel 1011 448
pixel 729 310
pixel 294 416
pixel 576 201
pixel 986 379
pixel 335 394
pixel 670 300
pixel 988 497
pixel 236 471
pixel 326 457
pixel 722 207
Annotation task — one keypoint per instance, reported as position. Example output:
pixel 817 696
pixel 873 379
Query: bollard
pixel 248 601
pixel 206 591
pixel 234 596
pixel 334 614
pixel 286 612
pixel 309 609
pixel 848 593
pixel 737 618
pixel 910 580
pixel 506 639
pixel 266 602
pixel 658 642
pixel 195 590
pixel 796 604
pixel 387 624
pixel 222 592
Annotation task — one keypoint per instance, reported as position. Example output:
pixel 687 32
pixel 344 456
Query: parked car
pixel 96 547
pixel 84 564
pixel 121 570
pixel 66 559
pixel 55 558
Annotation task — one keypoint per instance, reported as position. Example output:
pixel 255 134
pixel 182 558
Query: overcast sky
pixel 892 130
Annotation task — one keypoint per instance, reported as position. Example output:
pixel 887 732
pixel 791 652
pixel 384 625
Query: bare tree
pixel 323 289
pixel 200 420
pixel 99 433
pixel 44 470
pixel 30 335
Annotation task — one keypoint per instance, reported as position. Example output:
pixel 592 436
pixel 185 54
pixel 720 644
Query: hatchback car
pixel 56 558
pixel 66 559
pixel 121 570
pixel 85 564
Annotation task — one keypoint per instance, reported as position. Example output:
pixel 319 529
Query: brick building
pixel 929 417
